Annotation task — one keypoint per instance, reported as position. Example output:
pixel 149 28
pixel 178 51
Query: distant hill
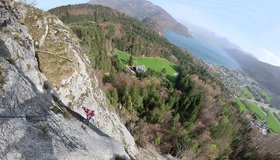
pixel 112 29
pixel 211 36
pixel 264 73
pixel 151 105
pixel 151 14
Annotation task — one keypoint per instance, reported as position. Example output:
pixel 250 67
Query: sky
pixel 48 4
pixel 254 25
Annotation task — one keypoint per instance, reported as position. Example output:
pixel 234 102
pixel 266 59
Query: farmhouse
pixel 140 68
pixel 262 126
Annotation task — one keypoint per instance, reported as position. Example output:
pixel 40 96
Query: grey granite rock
pixel 29 127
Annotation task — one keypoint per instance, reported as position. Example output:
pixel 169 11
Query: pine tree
pixel 163 72
pixel 137 100
pixel 130 61
pixel 114 97
pixel 129 104
pixel 174 122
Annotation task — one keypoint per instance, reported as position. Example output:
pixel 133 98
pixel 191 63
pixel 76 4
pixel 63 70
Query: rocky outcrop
pixel 35 48
pixel 30 130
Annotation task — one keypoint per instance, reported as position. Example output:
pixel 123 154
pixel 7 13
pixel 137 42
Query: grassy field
pixel 277 116
pixel 256 109
pixel 154 63
pixel 272 122
pixel 269 118
pixel 242 106
pixel 246 93
pixel 266 95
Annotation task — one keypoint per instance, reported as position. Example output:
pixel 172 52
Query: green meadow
pixel 261 116
pixel 154 63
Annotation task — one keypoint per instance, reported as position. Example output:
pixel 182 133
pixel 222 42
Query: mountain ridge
pixel 264 73
pixel 145 101
pixel 152 15
pixel 49 71
pixel 257 69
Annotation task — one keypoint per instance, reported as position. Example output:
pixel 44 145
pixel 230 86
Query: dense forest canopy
pixel 191 116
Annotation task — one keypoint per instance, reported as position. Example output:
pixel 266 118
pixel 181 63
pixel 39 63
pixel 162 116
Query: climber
pixel 89 113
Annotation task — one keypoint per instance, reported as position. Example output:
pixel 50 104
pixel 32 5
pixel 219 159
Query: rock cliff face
pixel 43 69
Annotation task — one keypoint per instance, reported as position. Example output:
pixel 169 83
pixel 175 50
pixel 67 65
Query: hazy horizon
pixel 253 24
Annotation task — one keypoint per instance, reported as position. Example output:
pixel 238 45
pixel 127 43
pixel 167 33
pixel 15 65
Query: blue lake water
pixel 205 50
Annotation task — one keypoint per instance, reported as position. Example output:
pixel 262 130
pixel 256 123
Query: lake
pixel 207 51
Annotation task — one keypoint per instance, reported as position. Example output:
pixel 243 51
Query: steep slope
pixel 44 70
pixel 154 16
pixel 255 68
pixel 190 118
pixel 266 74
pixel 112 29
